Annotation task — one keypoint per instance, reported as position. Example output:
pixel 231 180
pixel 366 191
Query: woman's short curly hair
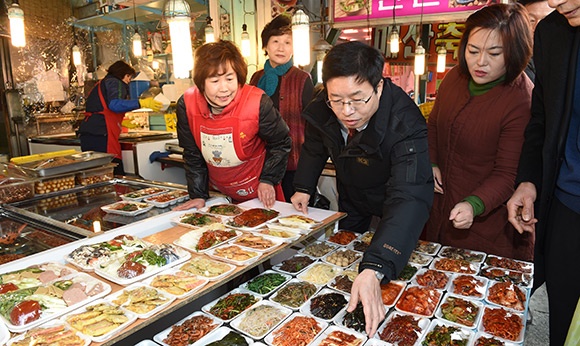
pixel 213 57
pixel 279 26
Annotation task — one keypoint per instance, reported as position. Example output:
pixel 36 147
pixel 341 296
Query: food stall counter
pixel 163 229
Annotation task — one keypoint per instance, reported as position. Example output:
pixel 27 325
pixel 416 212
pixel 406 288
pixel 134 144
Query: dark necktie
pixel 351 133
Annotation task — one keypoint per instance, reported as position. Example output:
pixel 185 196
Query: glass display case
pixel 20 238
pixel 80 210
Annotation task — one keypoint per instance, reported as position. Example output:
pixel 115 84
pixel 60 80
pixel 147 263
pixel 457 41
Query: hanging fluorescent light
pixel 178 18
pixel 321 48
pixel 394 37
pixel 246 49
pixel 16 16
pixel 301 37
pixel 441 59
pixel 209 33
pixel 394 40
pixel 76 55
pixel 419 60
pixel 137 47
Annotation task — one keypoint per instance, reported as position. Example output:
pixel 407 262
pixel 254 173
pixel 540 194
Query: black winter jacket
pixel 384 171
pixel 556 47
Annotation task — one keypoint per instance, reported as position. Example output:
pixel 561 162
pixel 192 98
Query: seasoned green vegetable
pixel 232 305
pixel 266 283
pixel 444 335
pixel 295 294
pixel 232 339
pixel 407 272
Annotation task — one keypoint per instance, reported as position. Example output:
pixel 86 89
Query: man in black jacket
pixel 377 140
pixel 547 198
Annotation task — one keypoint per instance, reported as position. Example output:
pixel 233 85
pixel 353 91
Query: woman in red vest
pixel 289 87
pixel 234 140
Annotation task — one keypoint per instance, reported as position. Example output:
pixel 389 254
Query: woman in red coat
pixel 476 131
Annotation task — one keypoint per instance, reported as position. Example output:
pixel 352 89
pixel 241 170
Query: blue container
pixel 137 87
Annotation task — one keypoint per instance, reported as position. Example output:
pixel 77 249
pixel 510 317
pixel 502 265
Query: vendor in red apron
pixel 234 140
pixel 105 109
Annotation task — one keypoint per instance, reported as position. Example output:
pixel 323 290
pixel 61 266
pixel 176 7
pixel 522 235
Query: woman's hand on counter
pixel 193 203
pixel 266 195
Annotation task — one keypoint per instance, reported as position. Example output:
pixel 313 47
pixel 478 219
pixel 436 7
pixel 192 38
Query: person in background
pixel 537 10
pixel 547 198
pixel 289 88
pixel 377 139
pixel 476 131
pixel 106 106
pixel 234 140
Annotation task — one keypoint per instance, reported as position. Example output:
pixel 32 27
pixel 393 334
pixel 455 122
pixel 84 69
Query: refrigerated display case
pixel 20 238
pixel 79 210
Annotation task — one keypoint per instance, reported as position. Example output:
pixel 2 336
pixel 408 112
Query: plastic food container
pixel 53 184
pixel 500 323
pixel 248 285
pixel 414 298
pixel 15 189
pixel 462 254
pixel 178 283
pixel 95 175
pixel 439 327
pixel 153 300
pixel 269 339
pixel 223 299
pixel 318 249
pixel 427 247
pixel 342 257
pixel 320 273
pixel 194 339
pixel 421 322
pixel 420 259
pixel 306 309
pixel 331 333
pixel 391 292
pixel 432 278
pixel 472 287
pixel 285 294
pixel 260 319
pixel 474 308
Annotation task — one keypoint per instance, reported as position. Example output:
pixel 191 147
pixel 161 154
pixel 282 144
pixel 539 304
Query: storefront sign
pixel 352 10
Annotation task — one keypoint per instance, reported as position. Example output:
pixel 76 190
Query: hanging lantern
pixel 76 55
pixel 301 38
pixel 441 59
pixel 178 18
pixel 16 16
pixel 246 49
pixel 394 40
pixel 419 60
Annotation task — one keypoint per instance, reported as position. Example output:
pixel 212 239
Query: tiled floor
pixel 537 331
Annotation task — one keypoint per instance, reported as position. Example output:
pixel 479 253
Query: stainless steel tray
pixel 71 163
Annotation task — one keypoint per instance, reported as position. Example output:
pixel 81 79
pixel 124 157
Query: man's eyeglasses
pixel 338 104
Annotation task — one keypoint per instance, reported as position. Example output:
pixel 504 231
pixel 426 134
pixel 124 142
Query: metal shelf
pixel 145 13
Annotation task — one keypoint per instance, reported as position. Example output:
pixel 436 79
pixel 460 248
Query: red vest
pixel 229 141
